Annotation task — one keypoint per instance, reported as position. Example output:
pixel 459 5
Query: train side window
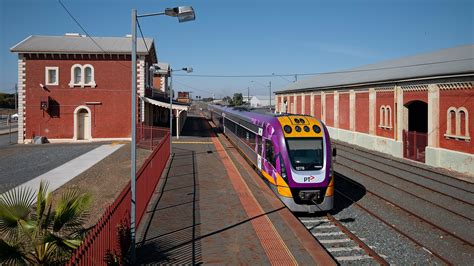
pixel 269 154
pixel 259 145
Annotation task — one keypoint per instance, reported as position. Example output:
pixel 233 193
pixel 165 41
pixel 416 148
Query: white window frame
pixel 82 83
pixel 385 119
pixel 46 76
pixel 457 125
pixel 92 82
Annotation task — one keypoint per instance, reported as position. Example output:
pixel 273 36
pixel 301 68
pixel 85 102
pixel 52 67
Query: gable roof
pixel 81 45
pixel 451 61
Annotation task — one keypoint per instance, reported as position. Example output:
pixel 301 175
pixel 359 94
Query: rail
pixel 148 137
pixel 108 241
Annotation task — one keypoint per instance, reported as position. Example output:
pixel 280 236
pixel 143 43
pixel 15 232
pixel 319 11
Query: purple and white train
pixel 292 153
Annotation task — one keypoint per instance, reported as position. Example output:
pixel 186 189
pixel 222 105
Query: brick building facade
pixel 74 87
pixel 418 107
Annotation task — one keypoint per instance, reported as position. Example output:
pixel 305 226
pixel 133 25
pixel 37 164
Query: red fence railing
pixel 149 137
pixel 414 145
pixel 109 239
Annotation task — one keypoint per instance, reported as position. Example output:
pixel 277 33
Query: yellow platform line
pixel 192 142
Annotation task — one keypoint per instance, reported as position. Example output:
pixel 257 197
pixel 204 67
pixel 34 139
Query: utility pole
pixel 270 87
pixel 16 97
pixel 296 77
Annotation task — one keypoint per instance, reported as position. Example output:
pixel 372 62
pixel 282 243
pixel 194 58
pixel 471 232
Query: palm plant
pixel 33 232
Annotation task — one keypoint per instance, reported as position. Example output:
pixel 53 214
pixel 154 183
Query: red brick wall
pixel 344 114
pixel 111 119
pixel 329 110
pixel 317 106
pixel 456 98
pixel 298 104
pixel 362 112
pixel 307 105
pixel 409 96
pixel 386 99
pixel 291 102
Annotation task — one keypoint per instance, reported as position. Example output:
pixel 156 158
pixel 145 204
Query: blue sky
pixel 251 37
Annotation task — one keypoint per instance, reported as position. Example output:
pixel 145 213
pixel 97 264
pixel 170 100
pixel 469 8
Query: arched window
pixel 382 115
pixel 82 76
pixel 388 117
pixel 76 75
pixel 457 123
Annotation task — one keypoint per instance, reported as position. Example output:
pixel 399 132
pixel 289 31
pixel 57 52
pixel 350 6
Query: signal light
pixel 301 120
pixel 298 129
pixel 306 128
pixel 287 129
pixel 316 129
pixel 296 120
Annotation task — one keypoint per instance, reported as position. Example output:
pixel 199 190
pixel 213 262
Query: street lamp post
pixel 188 70
pixel 184 14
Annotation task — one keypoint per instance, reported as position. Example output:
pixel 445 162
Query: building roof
pixel 163 68
pixel 262 100
pixel 81 44
pixel 446 62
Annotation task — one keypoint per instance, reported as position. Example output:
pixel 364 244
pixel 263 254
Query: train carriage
pixel 292 153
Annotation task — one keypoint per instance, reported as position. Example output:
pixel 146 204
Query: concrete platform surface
pixel 210 207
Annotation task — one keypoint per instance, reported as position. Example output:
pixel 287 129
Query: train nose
pixel 313 196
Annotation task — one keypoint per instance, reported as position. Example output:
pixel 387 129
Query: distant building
pixel 183 97
pixel 419 107
pixel 260 100
pixel 73 88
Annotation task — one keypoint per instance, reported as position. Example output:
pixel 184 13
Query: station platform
pixel 211 207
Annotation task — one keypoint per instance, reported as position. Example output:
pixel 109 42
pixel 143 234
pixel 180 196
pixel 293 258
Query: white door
pixel 83 126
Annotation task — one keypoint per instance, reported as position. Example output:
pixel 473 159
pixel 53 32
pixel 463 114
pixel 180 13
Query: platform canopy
pixel 176 105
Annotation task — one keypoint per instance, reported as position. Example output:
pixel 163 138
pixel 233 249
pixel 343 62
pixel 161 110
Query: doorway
pixel 415 134
pixel 83 130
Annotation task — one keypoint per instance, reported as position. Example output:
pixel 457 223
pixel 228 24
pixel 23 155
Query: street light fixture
pixel 184 13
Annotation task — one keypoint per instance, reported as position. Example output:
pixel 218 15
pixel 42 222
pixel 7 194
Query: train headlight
pixel 287 129
pixel 301 120
pixel 296 120
pixel 306 128
pixel 316 129
pixel 298 129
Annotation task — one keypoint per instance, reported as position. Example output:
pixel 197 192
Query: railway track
pixel 434 177
pixel 340 242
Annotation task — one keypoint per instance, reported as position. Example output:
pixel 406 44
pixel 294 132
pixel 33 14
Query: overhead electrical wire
pixel 322 73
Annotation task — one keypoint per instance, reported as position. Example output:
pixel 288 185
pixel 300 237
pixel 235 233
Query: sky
pixel 249 38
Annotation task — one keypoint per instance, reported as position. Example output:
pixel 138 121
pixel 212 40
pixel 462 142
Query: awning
pixel 176 106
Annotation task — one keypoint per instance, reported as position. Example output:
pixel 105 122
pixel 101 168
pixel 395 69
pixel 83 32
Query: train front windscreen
pixel 305 154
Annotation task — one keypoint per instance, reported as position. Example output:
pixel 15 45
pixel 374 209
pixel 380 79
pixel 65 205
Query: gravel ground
pixel 395 248
pixel 105 180
pixel 21 163
pixel 5 140
pixel 436 215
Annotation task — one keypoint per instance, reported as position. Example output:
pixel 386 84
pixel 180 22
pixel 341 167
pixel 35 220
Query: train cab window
pixel 306 154
pixel 269 153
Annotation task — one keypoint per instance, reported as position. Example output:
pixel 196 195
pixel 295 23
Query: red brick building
pixel 75 87
pixel 418 107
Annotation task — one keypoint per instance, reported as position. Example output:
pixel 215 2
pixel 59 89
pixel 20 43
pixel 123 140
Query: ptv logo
pixel 308 178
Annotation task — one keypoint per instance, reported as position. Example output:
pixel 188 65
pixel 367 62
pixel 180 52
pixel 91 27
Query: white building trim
pixel 433 115
pixel 21 98
pixel 352 110
pixel 336 109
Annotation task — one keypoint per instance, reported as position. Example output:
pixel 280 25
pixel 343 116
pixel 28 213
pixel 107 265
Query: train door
pixel 269 162
pixel 260 144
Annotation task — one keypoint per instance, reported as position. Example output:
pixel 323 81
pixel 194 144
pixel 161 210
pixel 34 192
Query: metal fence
pixel 109 240
pixel 414 145
pixel 149 137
